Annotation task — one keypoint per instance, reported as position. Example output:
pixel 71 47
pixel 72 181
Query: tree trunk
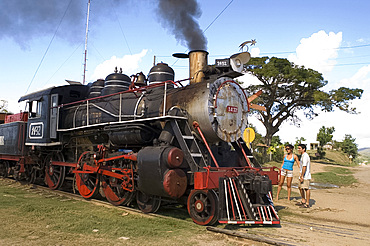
pixel 270 132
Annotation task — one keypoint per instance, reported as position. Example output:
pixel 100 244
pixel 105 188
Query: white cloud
pixel 360 80
pixel 255 52
pixel 361 40
pixel 249 79
pixel 318 52
pixel 128 63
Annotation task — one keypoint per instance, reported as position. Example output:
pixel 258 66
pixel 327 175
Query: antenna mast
pixel 87 30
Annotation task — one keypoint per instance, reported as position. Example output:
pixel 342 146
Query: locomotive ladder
pixel 235 206
pixel 192 153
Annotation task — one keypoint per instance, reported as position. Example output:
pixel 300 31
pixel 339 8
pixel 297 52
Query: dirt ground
pixel 337 216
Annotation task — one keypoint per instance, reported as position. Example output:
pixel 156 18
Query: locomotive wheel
pixel 202 206
pixel 114 192
pixel 88 184
pixel 28 173
pixel 34 172
pixel 54 175
pixel 4 169
pixel 33 176
pixel 147 203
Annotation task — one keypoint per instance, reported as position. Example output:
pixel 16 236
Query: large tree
pixel 288 88
pixel 349 146
pixel 3 106
pixel 325 135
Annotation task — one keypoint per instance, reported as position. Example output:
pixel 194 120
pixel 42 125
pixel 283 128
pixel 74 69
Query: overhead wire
pixel 349 64
pixel 338 48
pixel 349 57
pixel 97 51
pixel 47 49
pixel 218 16
pixel 64 63
pixel 120 26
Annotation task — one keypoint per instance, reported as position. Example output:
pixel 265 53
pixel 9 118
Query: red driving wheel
pixel 87 179
pixel 202 206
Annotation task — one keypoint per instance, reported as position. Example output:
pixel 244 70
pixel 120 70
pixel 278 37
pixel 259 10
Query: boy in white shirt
pixel 304 177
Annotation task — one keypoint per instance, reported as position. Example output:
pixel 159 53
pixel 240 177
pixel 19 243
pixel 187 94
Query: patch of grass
pixel 39 220
pixel 335 175
pixel 339 170
pixel 272 164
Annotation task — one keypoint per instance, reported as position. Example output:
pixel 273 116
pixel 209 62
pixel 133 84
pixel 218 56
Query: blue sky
pixel 329 36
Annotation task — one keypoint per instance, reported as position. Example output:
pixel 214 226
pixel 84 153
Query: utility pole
pixel 87 30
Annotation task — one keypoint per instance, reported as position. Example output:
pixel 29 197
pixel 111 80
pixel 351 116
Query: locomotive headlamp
pixel 238 60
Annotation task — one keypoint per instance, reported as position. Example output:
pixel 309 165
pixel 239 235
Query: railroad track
pixel 299 233
pixel 274 235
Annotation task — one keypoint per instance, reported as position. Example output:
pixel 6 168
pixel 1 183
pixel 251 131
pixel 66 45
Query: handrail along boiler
pixel 149 139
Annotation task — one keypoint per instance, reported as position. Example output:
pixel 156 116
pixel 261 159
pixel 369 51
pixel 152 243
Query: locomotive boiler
pixel 150 140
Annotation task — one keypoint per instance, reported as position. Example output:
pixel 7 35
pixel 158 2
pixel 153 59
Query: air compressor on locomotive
pixel 149 139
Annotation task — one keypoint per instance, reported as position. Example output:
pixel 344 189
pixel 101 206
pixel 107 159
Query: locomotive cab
pixel 44 114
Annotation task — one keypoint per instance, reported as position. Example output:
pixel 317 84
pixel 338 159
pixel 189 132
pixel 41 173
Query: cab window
pixel 35 109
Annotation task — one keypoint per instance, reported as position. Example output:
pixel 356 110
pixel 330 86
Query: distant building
pixel 328 147
pixel 312 145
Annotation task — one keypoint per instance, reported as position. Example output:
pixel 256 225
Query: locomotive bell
pixel 141 80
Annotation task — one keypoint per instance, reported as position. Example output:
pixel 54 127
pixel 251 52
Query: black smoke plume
pixel 24 20
pixel 180 17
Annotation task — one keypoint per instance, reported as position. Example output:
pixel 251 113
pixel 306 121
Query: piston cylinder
pixel 156 178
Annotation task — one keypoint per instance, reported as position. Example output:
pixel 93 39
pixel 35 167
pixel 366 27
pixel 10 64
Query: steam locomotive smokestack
pixel 198 61
pixel 179 17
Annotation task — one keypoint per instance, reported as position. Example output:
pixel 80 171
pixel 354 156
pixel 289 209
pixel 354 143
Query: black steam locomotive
pixel 149 139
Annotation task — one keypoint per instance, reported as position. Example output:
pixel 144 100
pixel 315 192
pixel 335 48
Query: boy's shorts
pixel 304 185
pixel 287 173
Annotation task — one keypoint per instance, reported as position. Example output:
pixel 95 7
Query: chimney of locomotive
pixel 198 61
